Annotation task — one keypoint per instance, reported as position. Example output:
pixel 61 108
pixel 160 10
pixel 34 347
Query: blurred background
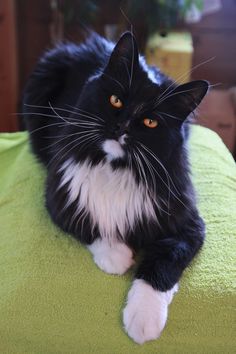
pixel 188 39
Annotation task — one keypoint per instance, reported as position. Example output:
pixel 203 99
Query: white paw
pixel 146 311
pixel 116 258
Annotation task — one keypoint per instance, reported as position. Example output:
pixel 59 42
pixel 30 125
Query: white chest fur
pixel 112 199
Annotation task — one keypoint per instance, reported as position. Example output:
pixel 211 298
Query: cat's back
pixel 58 79
pixel 68 65
pixel 88 57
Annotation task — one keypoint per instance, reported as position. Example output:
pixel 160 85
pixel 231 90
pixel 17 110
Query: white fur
pixel 122 139
pixel 113 149
pixel 146 311
pixel 111 198
pixel 114 258
pixel 150 74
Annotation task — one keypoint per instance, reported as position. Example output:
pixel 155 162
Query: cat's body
pixel 111 132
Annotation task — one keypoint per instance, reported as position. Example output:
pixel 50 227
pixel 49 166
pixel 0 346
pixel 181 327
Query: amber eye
pixel 150 123
pixel 115 101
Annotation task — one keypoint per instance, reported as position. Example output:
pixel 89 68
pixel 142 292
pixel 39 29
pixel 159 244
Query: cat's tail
pixel 42 90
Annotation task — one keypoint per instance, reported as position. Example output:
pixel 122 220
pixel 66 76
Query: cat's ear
pixel 186 97
pixel 124 57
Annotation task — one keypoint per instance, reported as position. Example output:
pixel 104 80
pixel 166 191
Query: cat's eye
pixel 150 123
pixel 116 102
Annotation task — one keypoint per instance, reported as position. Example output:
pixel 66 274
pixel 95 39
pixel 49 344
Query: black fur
pixel 84 77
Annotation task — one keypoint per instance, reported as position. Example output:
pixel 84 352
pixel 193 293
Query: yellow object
pixel 172 54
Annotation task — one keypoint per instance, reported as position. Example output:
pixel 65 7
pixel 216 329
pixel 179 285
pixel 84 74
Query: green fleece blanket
pixel 53 299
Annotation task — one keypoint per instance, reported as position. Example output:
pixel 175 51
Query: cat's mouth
pixel 115 148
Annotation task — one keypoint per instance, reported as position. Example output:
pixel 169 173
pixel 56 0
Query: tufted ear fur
pixel 186 97
pixel 124 57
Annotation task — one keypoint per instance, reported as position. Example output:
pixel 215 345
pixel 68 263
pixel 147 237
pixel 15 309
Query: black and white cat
pixel 112 133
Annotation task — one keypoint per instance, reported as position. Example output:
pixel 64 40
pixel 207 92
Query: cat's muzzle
pixel 114 148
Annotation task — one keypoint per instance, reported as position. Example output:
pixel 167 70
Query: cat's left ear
pixel 124 57
pixel 186 97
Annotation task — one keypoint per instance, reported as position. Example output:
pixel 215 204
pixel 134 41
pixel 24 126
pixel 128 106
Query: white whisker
pixel 169 115
pixel 132 60
pixel 47 126
pixel 112 78
pixel 183 76
pixel 64 147
pixel 66 110
pixel 68 136
pixel 59 115
pixel 87 114
pixel 153 192
pixel 81 124
pixel 173 94
pixel 169 179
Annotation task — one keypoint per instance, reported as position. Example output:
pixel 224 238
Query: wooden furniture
pixel 33 20
pixel 215 37
pixel 8 67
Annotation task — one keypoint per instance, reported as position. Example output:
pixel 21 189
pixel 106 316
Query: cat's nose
pixel 122 128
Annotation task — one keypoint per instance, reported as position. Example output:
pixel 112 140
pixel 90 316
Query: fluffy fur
pixel 112 257
pixel 94 187
pixel 146 311
pixel 115 184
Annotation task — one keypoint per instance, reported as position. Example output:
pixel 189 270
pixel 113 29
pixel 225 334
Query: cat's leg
pixel 156 282
pixel 112 257
pixel 146 311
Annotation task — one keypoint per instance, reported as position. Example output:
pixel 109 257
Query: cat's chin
pixel 113 149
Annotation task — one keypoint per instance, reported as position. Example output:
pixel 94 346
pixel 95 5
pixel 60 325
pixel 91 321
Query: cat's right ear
pixel 124 58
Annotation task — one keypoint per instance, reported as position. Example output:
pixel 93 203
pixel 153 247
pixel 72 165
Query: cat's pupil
pixel 150 123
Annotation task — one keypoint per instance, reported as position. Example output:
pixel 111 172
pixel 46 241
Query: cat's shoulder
pixel 66 52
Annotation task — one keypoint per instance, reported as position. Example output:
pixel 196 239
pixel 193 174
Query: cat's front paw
pixel 146 311
pixel 116 258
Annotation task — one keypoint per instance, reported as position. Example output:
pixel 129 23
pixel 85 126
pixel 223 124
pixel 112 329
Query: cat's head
pixel 134 111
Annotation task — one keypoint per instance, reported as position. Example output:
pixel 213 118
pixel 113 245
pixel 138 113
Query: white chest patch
pixel 112 199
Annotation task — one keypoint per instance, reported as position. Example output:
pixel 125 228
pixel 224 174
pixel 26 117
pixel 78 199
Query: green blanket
pixel 53 299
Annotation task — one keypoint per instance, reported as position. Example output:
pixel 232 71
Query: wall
pixel 215 36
